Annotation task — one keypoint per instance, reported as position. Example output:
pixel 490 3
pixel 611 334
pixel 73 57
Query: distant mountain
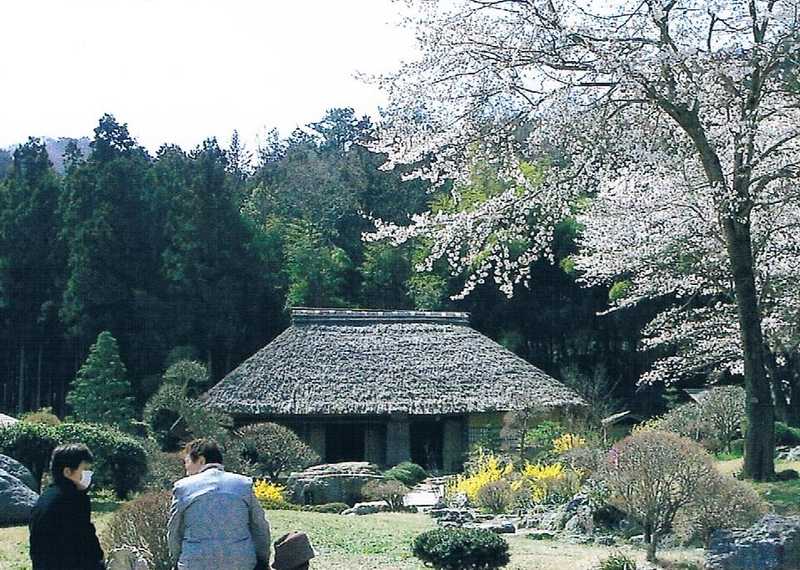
pixel 55 151
pixel 56 148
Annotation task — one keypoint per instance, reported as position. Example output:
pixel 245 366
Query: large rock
pixel 332 483
pixel 790 454
pixel 18 470
pixel 369 508
pixel 16 500
pixel 773 543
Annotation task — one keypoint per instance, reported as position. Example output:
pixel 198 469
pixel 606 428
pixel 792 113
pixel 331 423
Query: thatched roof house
pixel 385 385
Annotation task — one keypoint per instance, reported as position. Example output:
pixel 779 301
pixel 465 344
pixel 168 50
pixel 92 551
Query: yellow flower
pixel 541 479
pixel 568 441
pixel 269 493
pixel 487 469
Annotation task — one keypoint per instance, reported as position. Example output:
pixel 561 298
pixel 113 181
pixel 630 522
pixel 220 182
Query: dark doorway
pixel 427 439
pixel 344 442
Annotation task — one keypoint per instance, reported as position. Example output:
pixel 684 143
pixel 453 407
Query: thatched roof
pixel 332 361
pixel 7 421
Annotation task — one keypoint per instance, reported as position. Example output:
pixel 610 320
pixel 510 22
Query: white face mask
pixel 86 480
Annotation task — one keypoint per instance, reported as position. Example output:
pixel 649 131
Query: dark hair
pixel 204 447
pixel 70 455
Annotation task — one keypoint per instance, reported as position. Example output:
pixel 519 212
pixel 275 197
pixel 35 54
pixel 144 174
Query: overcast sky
pixel 180 71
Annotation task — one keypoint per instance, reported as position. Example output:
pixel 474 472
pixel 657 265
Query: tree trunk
pixel 39 377
pixel 794 390
pixel 776 381
pixel 21 380
pixel 651 547
pixel 759 463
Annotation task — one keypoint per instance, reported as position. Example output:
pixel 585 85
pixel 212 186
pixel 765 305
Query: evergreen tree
pixel 101 392
pixel 31 264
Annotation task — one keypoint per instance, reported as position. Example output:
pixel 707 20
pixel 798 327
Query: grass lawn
pixel 383 542
pixel 370 542
pixel 784 496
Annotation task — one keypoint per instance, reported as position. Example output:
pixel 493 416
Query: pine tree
pixel 101 392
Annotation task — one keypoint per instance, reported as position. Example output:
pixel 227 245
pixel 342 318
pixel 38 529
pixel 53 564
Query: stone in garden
pixel 582 522
pixel 792 454
pixel 16 500
pixel 773 543
pixel 606 540
pixel 369 508
pixel 18 470
pixel 452 517
pixel 332 483
pixel 498 526
pixel 541 535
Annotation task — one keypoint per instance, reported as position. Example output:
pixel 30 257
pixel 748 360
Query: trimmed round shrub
pixel 273 449
pixel 140 526
pixel 389 490
pixel 120 460
pixel 30 444
pixel 461 549
pixel 329 508
pixel 409 474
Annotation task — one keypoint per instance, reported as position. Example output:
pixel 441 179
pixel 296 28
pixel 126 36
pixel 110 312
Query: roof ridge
pixel 302 315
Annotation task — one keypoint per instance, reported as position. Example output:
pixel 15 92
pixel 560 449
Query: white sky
pixel 179 71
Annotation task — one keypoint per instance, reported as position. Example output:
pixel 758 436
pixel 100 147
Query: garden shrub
pixel 329 508
pixel 567 442
pixel 587 460
pixel 163 468
pixel 409 474
pixel 120 460
pixel 484 468
pixel 653 475
pixel 44 416
pixel 786 435
pixel 140 526
pixel 495 497
pixel 461 549
pixel 30 444
pixel 272 496
pixel 720 502
pixel 541 438
pixel 274 449
pixel 388 490
pixel 716 420
pixel 617 561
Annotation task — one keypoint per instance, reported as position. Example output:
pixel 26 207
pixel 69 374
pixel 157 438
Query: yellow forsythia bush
pixel 567 442
pixel 540 480
pixel 270 495
pixel 487 468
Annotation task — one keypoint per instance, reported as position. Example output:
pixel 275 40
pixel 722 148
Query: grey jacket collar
pixel 212 466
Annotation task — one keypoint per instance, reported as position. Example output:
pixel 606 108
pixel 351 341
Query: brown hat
pixel 292 550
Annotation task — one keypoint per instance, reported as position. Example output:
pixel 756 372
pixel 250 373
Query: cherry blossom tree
pixel 690 100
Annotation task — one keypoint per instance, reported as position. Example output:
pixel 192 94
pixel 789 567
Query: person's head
pixel 200 453
pixel 71 463
pixel 293 551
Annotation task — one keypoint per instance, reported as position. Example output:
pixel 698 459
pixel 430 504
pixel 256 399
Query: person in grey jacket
pixel 215 521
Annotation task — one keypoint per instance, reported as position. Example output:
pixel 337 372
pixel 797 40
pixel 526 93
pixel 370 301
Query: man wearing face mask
pixel 62 534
